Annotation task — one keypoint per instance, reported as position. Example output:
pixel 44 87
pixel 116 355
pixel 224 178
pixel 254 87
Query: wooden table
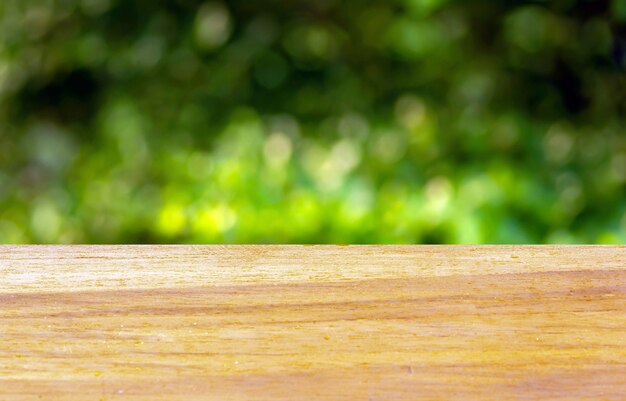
pixel 312 323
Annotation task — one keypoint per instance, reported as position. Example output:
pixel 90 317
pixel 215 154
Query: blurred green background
pixel 417 121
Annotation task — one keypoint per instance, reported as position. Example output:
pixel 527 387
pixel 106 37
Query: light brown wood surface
pixel 312 323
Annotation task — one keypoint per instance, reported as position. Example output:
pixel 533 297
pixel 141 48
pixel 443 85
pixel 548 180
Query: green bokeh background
pixel 328 121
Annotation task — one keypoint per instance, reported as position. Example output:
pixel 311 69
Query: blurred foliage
pixel 415 121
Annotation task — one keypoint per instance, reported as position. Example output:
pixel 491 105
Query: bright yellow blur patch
pixel 172 219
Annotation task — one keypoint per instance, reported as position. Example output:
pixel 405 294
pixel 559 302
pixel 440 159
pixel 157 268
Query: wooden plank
pixel 312 322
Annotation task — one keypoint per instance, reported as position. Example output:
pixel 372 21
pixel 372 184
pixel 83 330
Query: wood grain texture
pixel 312 322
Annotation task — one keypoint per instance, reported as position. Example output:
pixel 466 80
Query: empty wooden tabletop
pixel 312 323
